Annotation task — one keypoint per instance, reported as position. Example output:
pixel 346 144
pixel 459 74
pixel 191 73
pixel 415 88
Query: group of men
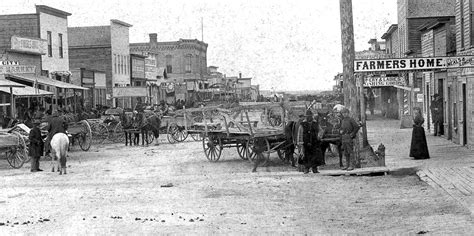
pixel 56 124
pixel 310 135
pixel 309 138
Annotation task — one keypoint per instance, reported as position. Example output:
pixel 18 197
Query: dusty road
pixel 117 190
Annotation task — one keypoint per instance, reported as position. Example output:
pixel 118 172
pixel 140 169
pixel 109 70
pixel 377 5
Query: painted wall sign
pixel 9 63
pixel 129 91
pixel 37 46
pixel 17 69
pixel 384 81
pixel 424 63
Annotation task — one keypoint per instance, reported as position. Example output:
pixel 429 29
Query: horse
pixel 150 122
pixel 128 124
pixel 330 124
pixel 59 149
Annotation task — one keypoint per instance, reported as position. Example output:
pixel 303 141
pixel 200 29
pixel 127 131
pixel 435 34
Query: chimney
pixel 153 38
pixel 240 75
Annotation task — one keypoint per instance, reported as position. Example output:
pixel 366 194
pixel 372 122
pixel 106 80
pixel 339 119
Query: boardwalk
pixel 450 168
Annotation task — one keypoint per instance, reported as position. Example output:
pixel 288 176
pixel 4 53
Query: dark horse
pixel 140 123
pixel 330 124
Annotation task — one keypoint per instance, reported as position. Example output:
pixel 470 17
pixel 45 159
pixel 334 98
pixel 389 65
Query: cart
pixel 242 134
pixel 80 132
pixel 14 147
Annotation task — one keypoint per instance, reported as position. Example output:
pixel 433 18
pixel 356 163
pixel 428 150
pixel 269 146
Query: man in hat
pixel 348 131
pixel 437 114
pixel 309 140
pixel 56 124
pixel 36 146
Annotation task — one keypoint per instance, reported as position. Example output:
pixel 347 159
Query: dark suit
pixel 35 147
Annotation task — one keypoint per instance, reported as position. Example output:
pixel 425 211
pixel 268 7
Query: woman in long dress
pixel 419 147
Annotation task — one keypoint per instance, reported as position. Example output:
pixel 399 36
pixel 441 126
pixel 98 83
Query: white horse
pixel 59 148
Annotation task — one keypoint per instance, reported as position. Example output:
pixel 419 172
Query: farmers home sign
pixel 420 64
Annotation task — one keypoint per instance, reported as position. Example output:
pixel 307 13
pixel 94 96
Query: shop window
pixel 60 36
pixel 50 47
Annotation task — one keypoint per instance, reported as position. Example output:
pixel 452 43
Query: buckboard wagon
pixel 14 147
pixel 241 134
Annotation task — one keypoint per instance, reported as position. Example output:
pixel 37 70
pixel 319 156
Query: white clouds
pixel 291 45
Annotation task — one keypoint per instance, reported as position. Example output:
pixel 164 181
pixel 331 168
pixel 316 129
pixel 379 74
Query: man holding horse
pixel 308 138
pixel 348 131
pixel 56 124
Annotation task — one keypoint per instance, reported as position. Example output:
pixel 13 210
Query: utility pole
pixel 348 56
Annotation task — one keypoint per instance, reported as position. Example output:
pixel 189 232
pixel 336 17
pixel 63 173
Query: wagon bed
pixel 14 147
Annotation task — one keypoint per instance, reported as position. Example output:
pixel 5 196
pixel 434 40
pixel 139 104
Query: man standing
pixel 308 138
pixel 437 114
pixel 348 131
pixel 36 146
pixel 56 124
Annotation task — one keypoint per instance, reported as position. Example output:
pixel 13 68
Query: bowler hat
pixel 345 110
pixel 309 113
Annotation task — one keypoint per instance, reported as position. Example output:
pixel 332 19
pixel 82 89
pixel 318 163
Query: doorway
pixel 464 119
pixel 449 115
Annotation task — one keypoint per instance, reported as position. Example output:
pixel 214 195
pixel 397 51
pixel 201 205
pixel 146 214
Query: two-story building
pixel 105 48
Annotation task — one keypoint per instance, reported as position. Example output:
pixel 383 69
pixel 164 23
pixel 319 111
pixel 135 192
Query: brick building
pixel 185 61
pixel 103 48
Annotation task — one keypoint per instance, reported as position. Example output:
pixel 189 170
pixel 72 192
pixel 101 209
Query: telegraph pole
pixel 348 56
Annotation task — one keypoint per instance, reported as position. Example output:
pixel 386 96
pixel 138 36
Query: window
pixel 115 63
pixel 169 67
pixel 188 60
pixel 50 49
pixel 61 55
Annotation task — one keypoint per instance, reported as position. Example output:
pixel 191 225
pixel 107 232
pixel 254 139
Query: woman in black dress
pixel 419 147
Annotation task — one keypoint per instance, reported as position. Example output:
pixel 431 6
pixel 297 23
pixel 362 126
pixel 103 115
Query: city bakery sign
pixel 14 67
pixel 406 64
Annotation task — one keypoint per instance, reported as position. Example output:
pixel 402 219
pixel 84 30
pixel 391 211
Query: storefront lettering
pixel 383 81
pixel 413 63
pixel 17 69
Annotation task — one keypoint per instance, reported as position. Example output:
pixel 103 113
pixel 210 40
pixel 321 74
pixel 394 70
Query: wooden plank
pixel 454 178
pixel 446 186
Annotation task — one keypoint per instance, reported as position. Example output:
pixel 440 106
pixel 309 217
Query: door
pixel 427 106
pixel 464 119
pixel 449 115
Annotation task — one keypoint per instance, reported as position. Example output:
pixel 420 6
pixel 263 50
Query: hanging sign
pixel 36 46
pixel 423 63
pixel 383 81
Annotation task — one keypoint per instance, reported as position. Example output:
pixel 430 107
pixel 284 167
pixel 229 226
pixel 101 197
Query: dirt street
pixel 115 189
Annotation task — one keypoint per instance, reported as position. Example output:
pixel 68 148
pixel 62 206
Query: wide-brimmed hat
pixel 309 113
pixel 344 110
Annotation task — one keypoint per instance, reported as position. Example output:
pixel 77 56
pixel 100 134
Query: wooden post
pixel 363 117
pixel 12 103
pixel 348 56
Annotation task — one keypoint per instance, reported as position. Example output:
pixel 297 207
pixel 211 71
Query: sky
pixel 284 45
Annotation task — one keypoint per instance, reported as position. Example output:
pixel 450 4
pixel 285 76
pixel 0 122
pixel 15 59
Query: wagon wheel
pixel 99 132
pixel 17 155
pixel 118 135
pixel 251 156
pixel 212 146
pixel 170 132
pixel 149 137
pixel 181 133
pixel 85 137
pixel 242 150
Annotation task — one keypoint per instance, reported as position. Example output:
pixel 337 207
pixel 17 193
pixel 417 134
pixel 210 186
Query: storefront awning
pixel 10 84
pixel 20 90
pixel 44 81
pixel 26 92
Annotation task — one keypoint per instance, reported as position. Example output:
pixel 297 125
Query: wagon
pixel 243 133
pixel 14 147
pixel 80 132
